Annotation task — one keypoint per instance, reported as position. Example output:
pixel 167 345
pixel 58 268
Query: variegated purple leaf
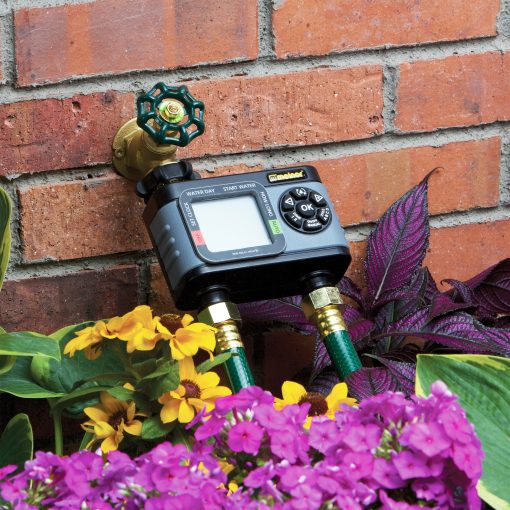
pixel 348 288
pixel 366 382
pixel 461 292
pixel 284 311
pixel 404 373
pixel 443 304
pixel 358 326
pixel 431 289
pixel 492 288
pixel 324 382
pixel 394 334
pixel 460 331
pixel 397 245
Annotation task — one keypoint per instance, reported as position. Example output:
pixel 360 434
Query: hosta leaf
pixel 481 383
pixel 18 381
pixel 26 343
pixel 366 382
pixel 397 245
pixel 285 311
pixel 5 233
pixel 16 442
pixel 492 287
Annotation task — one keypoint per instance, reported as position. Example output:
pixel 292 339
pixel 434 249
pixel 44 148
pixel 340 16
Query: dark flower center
pixel 171 322
pixel 191 388
pixel 318 403
pixel 117 418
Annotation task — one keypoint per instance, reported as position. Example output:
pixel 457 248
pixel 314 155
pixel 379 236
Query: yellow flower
pixel 137 328
pixel 88 339
pixel 110 419
pixel 193 393
pixel 188 338
pixel 294 393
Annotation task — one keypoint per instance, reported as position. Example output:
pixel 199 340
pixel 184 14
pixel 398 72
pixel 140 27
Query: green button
pixel 275 227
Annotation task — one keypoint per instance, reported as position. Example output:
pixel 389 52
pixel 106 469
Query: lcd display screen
pixel 231 223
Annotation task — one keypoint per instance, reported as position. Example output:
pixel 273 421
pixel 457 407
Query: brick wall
pixel 374 93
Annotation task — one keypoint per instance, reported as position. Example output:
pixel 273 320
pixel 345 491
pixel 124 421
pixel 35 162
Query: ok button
pixel 306 209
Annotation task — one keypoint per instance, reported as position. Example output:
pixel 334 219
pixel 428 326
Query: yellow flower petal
pixel 188 348
pixel 187 370
pixel 170 411
pixel 96 414
pixel 207 380
pixel 338 396
pixel 216 392
pixel 292 392
pixel 134 428
pixel 186 412
pixel 186 320
pixel 111 443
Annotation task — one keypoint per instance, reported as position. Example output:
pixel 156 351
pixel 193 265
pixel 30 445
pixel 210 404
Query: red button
pixel 198 237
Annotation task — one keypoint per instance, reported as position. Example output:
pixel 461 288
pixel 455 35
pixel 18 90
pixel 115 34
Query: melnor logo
pixel 292 175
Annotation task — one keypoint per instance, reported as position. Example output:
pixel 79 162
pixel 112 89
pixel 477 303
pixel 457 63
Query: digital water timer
pixel 231 239
pixel 257 234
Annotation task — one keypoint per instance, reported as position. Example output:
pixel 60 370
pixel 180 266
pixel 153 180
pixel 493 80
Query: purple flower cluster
pixel 391 453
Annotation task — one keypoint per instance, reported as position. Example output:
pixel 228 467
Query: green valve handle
pixel 238 370
pixel 170 115
pixel 342 353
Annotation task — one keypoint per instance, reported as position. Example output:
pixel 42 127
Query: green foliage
pixel 17 442
pixel 483 386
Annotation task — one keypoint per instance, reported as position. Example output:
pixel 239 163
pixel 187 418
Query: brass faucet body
pixel 135 153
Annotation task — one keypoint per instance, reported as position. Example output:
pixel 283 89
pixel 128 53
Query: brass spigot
pixel 152 137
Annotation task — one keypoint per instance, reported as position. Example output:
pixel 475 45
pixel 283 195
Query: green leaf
pixel 5 233
pixel 26 343
pixel 68 373
pixel 81 395
pixel 483 386
pixel 154 388
pixel 154 428
pixel 17 442
pixel 87 438
pixel 140 400
pixel 6 363
pixel 218 360
pixel 18 381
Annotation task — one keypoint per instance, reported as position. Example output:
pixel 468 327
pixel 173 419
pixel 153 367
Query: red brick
pixel 463 251
pixel 75 219
pixel 321 27
pixel 53 134
pixel 117 36
pixel 363 187
pixel 47 303
pixel 456 91
pixel 160 299
pixel 302 108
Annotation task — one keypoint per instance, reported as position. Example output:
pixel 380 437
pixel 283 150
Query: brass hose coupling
pixel 225 318
pixel 324 307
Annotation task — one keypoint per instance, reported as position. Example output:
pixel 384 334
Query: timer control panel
pixel 305 210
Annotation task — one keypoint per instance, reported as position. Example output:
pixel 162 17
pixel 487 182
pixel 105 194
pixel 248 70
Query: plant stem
pixel 57 427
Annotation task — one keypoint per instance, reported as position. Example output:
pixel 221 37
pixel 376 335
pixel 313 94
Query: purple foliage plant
pixel 401 312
